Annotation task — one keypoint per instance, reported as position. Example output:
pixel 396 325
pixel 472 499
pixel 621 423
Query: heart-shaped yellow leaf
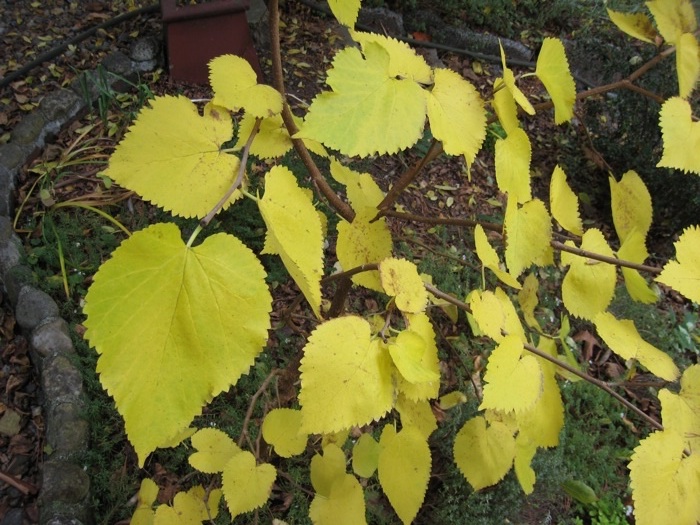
pixel 246 486
pixel 214 449
pixel 681 136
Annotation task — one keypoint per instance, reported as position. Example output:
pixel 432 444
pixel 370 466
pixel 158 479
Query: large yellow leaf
pixel 407 352
pixel 542 423
pixel 362 191
pixel 282 430
pixel 174 327
pixel 420 324
pixel 509 81
pixel 687 63
pixel 564 203
pixel 681 136
pixel 272 139
pixel 246 486
pixel 345 377
pixel 214 449
pixel 665 483
pixel 235 86
pixel 673 18
pixel 683 274
pixel 504 105
pixel 369 111
pixel 513 380
pixel 631 205
pixel 589 285
pixel 364 242
pixel 489 258
pixel 456 114
pixel 417 414
pixel 345 11
pixel 400 279
pixel 171 156
pixel 681 412
pixel 513 155
pixel 623 339
pixel 404 469
pixel 528 231
pixel 365 456
pixel 484 455
pixel 294 231
pixel 344 505
pixel 553 70
pixel 404 62
pixel 637 25
pixel 495 314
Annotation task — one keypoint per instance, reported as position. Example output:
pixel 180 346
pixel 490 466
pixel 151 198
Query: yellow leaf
pixel 589 285
pixel 528 300
pixel 452 400
pixel 365 456
pixel 345 377
pixel 327 468
pixel 281 429
pixel 335 438
pixel 456 114
pixel 637 25
pixel 631 205
pixel 524 452
pixel 509 81
pixel 189 508
pixel 484 455
pixel 447 307
pixel 344 505
pixel 235 86
pixel 495 314
pixel 364 242
pixel 553 71
pixel 513 155
pixel 665 482
pixel 687 63
pixel 528 230
pixel 681 412
pixel 170 151
pixel 673 18
pixel 143 515
pixel 404 62
pixel 400 279
pixel 417 414
pixel 369 111
pixel 246 486
pixel 564 203
pixel 623 339
pixel 214 449
pixel 294 232
pixel 163 355
pixel 681 136
pixel 272 139
pixel 504 105
pixel 345 11
pixel 407 352
pixel 513 380
pixel 404 469
pixel 489 258
pixel 683 274
pixel 363 193
pixel 420 324
pixel 634 250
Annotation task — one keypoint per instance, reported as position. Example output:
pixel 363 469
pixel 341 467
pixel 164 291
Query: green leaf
pixel 580 491
pixel 170 151
pixel 294 231
pixel 683 274
pixel 553 70
pixel 246 486
pixel 282 430
pixel 164 352
pixel 345 377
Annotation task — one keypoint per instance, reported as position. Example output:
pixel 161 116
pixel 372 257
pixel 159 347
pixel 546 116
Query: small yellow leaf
pixel 687 63
pixel 143 515
pixel 631 205
pixel 326 469
pixel 345 11
pixel 214 449
pixel 564 203
pixel 272 139
pixel 246 486
pixel 504 105
pixel 400 279
pixel 528 300
pixel 634 250
pixel 404 469
pixel 681 136
pixel 522 464
pixel 363 193
pixel 235 86
pixel 637 25
pixel 623 339
pixel 452 400
pixel 528 230
pixel 673 18
pixel 495 314
pixel 489 258
pixel 484 455
pixel 420 324
pixel 513 155
pixel 365 456
pixel 553 70
pixel 344 505
pixel 189 508
pixel 407 352
pixel 282 430
pixel 509 81
pixel 683 274
pixel 417 414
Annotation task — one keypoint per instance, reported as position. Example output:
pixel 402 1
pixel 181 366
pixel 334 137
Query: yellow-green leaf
pixel 513 380
pixel 282 430
pixel 513 155
pixel 504 105
pixel 681 136
pixel 623 339
pixel 163 353
pixel 495 314
pixel 452 399
pixel 683 274
pixel 420 324
pixel 327 468
pixel 272 139
pixel 637 25
pixel 417 414
pixel 528 230
pixel 553 70
pixel 369 111
pixel 345 11
pixel 344 505
pixel 171 157
pixel 681 412
pixel 589 285
pixel 404 469
pixel 214 449
pixel 345 377
pixel 564 203
pixel 189 508
pixel 489 258
pixel 484 455
pixel 631 205
pixel 404 62
pixel 365 456
pixel 246 486
pixel 400 279
pixel 407 352
pixel 522 464
pixel 528 300
pixel 665 482
pixel 143 515
pixel 456 114
pixel 363 193
pixel 509 81
pixel 687 63
pixel 673 18
pixel 633 249
pixel 294 231
pixel 235 86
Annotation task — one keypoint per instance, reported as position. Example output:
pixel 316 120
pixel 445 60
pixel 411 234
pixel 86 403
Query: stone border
pixel 64 496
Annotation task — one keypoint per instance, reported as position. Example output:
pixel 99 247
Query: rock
pixel 33 306
pixel 483 43
pixel 51 338
pixel 67 433
pixel 144 54
pixel 13 517
pixel 30 131
pixel 9 243
pixel 382 21
pixel 258 22
pixel 59 107
pixel 63 481
pixel 61 381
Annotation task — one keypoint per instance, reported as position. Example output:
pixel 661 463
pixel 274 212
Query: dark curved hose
pixel 61 48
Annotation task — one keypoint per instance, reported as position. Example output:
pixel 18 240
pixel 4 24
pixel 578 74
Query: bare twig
pixel 251 406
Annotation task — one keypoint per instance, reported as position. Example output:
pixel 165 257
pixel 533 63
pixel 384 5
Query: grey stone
pixel 483 43
pixel 30 131
pixel 13 517
pixel 56 513
pixel 63 482
pixel 13 157
pixel 60 381
pixel 7 191
pixel 16 278
pixel 382 21
pixel 9 246
pixel 51 338
pixel 33 306
pixel 59 107
pixel 119 65
pixel 67 432
pixel 144 53
pixel 259 24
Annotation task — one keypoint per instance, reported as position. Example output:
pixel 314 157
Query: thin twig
pixel 24 487
pixel 251 405
pixel 603 258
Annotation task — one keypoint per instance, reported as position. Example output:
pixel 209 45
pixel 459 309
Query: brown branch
pixel 251 405
pixel 343 209
pixel 22 486
pixel 603 258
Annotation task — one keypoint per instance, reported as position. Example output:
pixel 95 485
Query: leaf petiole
pixel 194 235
